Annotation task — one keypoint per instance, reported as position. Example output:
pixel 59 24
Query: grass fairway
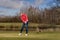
pixel 31 36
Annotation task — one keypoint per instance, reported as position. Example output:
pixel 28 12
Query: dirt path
pixel 15 35
pixel 8 35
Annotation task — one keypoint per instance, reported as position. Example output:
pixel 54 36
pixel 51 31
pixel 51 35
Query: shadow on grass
pixel 17 38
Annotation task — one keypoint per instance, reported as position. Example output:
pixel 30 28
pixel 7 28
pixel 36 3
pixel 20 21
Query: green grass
pixel 17 24
pixel 10 24
pixel 31 36
pixel 13 35
pixel 30 25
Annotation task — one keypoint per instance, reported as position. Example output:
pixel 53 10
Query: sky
pixel 12 7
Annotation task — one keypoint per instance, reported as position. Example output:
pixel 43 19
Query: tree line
pixel 47 16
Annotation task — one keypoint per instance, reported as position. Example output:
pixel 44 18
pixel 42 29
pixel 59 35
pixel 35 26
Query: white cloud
pixel 12 4
pixel 38 2
pixel 18 3
pixel 8 3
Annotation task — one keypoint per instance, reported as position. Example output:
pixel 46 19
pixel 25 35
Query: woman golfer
pixel 24 19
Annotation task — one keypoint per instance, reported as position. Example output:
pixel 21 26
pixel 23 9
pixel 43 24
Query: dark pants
pixel 26 26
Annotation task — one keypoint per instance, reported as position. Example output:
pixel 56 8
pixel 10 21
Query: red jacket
pixel 24 18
